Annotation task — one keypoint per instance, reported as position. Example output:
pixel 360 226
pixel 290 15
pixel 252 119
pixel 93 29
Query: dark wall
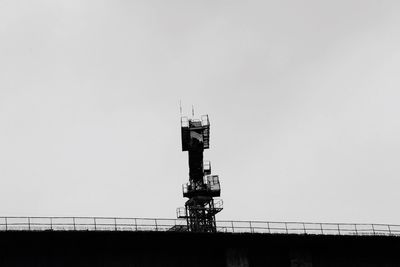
pixel 54 248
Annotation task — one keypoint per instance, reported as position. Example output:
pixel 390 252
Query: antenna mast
pixel 200 208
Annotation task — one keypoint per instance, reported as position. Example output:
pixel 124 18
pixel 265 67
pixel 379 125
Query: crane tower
pixel 200 208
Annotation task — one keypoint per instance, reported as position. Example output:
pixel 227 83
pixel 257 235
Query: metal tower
pixel 200 208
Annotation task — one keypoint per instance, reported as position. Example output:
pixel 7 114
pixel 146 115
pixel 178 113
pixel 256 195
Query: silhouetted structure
pixel 200 208
pixel 156 249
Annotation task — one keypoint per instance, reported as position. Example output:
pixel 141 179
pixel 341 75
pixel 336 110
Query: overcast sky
pixel 303 99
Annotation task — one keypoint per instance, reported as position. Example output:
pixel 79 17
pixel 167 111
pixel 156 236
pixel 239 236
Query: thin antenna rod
pixel 180 107
pixel 192 111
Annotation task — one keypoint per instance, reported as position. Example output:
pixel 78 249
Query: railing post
pixel 373 229
pixel 95 226
pixel 390 231
pixel 251 228
pixel 322 230
pixel 51 223
pixel 6 223
pixel 233 228
pixel 338 228
pixel 269 229
pixel 304 227
pixel 29 223
pixel 355 227
pixel 73 220
pixel 287 231
pixel 155 220
pixel 115 224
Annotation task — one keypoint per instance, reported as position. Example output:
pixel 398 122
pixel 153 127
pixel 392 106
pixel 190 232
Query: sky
pixel 303 99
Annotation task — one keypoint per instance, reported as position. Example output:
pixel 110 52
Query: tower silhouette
pixel 200 208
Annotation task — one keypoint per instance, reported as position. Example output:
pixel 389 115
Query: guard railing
pixel 307 228
pixel 150 224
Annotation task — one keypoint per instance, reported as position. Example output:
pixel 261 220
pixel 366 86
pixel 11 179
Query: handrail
pixel 15 223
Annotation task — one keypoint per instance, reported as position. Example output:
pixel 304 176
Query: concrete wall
pixel 51 248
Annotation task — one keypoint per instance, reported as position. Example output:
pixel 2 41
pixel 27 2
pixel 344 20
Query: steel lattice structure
pixel 200 208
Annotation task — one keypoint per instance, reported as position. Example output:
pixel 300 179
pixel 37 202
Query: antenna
pixel 180 107
pixel 201 207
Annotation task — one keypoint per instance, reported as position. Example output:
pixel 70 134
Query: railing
pixel 204 120
pixel 184 122
pixel 149 224
pixel 87 224
pixel 307 228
